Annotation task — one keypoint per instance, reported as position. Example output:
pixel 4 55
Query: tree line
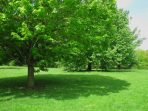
pixel 78 34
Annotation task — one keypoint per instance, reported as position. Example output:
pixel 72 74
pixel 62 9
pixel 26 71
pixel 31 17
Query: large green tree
pixel 120 45
pixel 88 29
pixel 30 30
pixel 101 38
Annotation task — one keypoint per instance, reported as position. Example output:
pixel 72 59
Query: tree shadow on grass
pixel 61 87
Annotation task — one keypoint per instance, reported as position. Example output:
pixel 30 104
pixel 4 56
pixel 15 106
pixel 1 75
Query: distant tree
pixel 103 36
pixel 142 58
pixel 119 49
pixel 87 30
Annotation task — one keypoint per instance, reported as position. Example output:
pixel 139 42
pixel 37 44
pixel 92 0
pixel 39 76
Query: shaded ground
pixel 61 87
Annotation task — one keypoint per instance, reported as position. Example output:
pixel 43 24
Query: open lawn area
pixel 57 90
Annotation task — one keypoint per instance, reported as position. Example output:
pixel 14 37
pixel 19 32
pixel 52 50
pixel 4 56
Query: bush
pixel 142 57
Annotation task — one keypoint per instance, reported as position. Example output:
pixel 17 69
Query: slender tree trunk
pixel 119 67
pixel 89 66
pixel 30 75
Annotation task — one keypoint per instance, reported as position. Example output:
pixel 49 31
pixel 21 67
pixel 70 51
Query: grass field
pixel 74 91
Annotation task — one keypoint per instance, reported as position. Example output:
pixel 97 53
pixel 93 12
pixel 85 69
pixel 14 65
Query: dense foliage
pixel 103 40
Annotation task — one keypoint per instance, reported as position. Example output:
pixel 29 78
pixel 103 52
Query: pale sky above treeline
pixel 138 11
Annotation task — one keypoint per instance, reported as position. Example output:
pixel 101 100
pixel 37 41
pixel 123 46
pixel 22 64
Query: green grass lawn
pixel 74 91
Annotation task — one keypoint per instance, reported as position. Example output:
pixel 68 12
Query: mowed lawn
pixel 57 90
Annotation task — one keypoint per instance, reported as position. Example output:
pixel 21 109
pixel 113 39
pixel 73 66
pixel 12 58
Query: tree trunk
pixel 119 67
pixel 30 76
pixel 103 65
pixel 89 66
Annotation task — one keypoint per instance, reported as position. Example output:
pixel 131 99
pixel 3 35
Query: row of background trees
pixel 78 34
pixel 141 61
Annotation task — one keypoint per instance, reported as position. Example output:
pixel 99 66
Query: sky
pixel 138 10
